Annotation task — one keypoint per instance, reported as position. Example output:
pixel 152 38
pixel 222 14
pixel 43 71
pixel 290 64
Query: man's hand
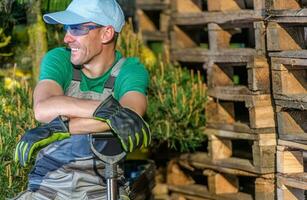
pixel 128 126
pixel 39 137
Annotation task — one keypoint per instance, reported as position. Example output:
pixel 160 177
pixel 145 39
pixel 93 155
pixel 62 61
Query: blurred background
pixel 227 96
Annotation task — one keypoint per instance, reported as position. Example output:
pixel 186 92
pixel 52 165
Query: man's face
pixel 84 47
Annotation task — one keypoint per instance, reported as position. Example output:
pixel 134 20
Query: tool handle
pixel 106 158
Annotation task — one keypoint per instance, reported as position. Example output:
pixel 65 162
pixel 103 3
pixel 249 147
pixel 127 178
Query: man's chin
pixel 75 62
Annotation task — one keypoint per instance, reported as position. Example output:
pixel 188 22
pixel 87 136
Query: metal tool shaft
pixel 111 176
pixel 112 189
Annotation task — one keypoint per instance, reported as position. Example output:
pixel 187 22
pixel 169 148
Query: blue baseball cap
pixel 102 12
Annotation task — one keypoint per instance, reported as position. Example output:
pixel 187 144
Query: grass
pixel 16 116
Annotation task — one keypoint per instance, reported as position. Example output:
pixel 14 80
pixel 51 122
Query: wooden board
pixel 155 36
pixel 289 160
pixel 292 177
pixel 227 17
pixel 289 77
pixel 292 124
pixel 282 37
pixel 298 57
pixel 235 5
pixel 294 14
pixel 284 4
pixel 186 6
pixel 297 180
pixel 152 4
pixel 202 192
pixel 202 55
pixel 292 144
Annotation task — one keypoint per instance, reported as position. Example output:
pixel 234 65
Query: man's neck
pixel 99 65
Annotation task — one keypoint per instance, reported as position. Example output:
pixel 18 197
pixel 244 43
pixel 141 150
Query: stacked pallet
pixel 153 19
pixel 287 43
pixel 228 38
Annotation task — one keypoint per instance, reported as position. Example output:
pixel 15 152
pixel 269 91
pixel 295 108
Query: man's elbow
pixel 40 114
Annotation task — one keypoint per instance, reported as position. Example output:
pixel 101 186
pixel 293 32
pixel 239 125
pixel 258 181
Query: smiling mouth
pixel 74 49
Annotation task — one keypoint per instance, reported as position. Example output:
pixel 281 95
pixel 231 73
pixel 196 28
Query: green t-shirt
pixel 133 76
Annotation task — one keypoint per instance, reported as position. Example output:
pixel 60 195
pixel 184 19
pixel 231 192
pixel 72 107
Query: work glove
pixel 130 128
pixel 39 137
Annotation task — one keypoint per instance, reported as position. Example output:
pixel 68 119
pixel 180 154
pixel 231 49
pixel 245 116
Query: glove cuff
pixel 65 121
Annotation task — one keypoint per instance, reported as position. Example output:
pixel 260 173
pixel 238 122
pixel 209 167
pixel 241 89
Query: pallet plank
pixel 284 4
pixel 282 37
pixel 227 17
pixel 202 191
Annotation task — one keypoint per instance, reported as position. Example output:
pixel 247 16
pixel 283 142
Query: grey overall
pixel 67 169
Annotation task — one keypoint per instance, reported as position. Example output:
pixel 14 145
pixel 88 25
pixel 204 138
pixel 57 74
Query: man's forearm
pixel 86 125
pixel 54 106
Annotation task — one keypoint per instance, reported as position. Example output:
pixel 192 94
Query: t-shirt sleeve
pixel 133 76
pixel 56 66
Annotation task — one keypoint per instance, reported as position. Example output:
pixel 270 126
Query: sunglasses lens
pixel 76 30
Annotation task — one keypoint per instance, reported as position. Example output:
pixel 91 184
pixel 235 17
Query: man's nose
pixel 68 38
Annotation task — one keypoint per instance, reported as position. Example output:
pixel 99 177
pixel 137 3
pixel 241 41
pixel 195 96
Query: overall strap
pixel 109 85
pixel 111 80
pixel 76 73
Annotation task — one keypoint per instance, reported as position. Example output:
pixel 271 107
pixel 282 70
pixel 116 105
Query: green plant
pixel 177 97
pixel 16 116
pixel 176 111
pixel 4 41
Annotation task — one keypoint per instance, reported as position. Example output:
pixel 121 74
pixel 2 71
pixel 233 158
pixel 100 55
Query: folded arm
pixel 50 102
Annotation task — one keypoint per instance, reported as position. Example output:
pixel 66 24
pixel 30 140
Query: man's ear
pixel 107 35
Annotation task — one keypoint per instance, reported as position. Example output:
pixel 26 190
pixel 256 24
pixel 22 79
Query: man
pixel 85 88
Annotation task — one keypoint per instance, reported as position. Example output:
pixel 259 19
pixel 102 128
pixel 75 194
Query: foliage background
pixel 177 96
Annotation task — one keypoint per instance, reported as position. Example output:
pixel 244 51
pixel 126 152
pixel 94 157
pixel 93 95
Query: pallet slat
pixel 284 5
pixel 292 177
pixel 282 37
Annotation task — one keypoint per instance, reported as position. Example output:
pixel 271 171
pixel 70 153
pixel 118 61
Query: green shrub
pixel 177 97
pixel 16 116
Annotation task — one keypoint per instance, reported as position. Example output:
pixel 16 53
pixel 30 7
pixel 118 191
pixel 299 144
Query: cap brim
pixel 64 17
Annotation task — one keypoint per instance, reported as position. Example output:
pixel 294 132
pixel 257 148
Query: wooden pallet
pixel 153 4
pixel 240 154
pixel 228 17
pixel 225 37
pixel 206 56
pixel 212 183
pixel 289 77
pixel 153 19
pixel 291 168
pixel 198 6
pixel 292 122
pixel 254 75
pixel 227 5
pixel 232 109
pixel 219 37
pixel 285 30
pixel 191 12
pixel 264 190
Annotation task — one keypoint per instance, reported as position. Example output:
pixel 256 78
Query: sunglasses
pixel 80 29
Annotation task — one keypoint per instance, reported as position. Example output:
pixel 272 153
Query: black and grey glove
pixel 132 131
pixel 39 137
